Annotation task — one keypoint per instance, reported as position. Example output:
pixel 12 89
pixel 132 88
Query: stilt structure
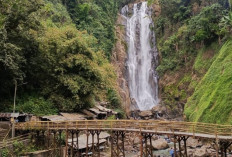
pixel 146 145
pixel 182 151
pixel 117 144
pixel 224 145
pixel 51 134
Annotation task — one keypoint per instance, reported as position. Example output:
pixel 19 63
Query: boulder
pixel 154 138
pixel 128 148
pixel 211 151
pixel 156 108
pixel 193 143
pixel 144 114
pixel 136 140
pixel 159 111
pixel 200 152
pixel 190 152
pixel 160 144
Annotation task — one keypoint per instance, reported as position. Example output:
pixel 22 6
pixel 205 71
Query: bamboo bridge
pixel 220 135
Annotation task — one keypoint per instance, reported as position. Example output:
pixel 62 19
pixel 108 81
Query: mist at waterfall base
pixel 142 56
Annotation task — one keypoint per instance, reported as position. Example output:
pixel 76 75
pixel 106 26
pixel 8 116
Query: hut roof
pixel 54 118
pixel 74 116
pixel 96 111
pixel 88 113
pixel 103 109
pixel 9 115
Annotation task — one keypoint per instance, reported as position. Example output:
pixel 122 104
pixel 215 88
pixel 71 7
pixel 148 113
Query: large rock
pixel 190 152
pixel 128 148
pixel 154 138
pixel 136 140
pixel 160 144
pixel 144 114
pixel 200 152
pixel 159 111
pixel 193 143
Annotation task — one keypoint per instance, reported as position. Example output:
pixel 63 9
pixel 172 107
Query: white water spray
pixel 142 57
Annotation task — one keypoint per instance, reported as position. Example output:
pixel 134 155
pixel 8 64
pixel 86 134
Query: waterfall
pixel 142 56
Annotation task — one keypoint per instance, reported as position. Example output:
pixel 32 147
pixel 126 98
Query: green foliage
pixel 212 96
pixel 36 105
pixel 180 46
pixel 205 58
pixel 4 152
pixel 111 117
pixel 226 24
pixel 230 3
pixel 160 24
pixel 97 17
pixel 205 25
pixel 121 113
pixel 175 10
pixel 150 2
pixel 19 148
pixel 17 19
pixel 54 14
pixel 113 98
pixel 190 34
pixel 43 50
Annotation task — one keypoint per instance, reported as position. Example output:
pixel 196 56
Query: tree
pixel 15 21
pixel 227 21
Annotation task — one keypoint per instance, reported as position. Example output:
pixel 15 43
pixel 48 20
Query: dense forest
pixel 55 55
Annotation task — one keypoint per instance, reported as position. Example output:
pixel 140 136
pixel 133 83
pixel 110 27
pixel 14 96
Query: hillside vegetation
pixel 212 99
pixel 56 54
pixel 195 75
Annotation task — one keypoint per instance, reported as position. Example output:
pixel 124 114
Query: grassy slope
pixel 212 98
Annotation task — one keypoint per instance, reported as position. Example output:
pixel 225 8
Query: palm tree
pixel 227 20
pixel 225 26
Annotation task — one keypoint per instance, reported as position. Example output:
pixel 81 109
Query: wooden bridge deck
pixel 200 130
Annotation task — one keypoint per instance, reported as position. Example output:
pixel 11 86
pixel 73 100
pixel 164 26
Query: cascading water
pixel 142 56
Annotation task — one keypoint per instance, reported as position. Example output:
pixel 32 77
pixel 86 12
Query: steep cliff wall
pixel 119 57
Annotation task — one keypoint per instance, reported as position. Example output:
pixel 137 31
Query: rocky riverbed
pixel 162 145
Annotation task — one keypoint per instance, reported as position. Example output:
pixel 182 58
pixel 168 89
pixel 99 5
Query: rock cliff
pixel 118 59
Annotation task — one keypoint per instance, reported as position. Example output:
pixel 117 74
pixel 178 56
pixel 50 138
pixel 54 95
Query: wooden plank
pixel 201 130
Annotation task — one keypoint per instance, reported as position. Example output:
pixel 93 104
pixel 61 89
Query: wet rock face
pixel 119 58
pixel 158 112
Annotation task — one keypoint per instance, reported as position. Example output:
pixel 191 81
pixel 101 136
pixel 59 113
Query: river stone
pixel 128 148
pixel 145 114
pixel 193 143
pixel 154 138
pixel 160 144
pixel 136 140
pixel 190 152
pixel 200 152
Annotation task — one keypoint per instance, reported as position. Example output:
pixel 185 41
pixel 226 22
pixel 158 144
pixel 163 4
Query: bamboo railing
pixel 160 127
